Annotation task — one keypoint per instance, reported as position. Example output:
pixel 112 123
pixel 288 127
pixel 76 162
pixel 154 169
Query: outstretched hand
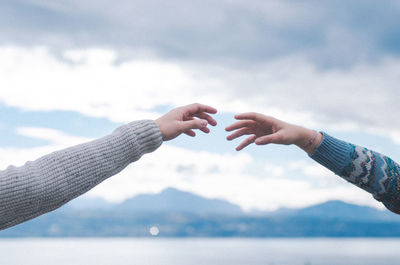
pixel 266 130
pixel 263 130
pixel 185 119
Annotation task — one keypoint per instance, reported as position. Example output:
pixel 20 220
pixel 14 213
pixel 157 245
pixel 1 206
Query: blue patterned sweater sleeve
pixel 369 170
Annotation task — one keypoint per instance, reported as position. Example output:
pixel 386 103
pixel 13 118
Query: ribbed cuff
pixel 144 135
pixel 332 153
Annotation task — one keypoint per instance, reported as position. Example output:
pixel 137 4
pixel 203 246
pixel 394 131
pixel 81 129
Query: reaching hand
pixel 266 130
pixel 183 120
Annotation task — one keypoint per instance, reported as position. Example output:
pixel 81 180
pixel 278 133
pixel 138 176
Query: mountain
pixel 182 214
pixel 345 211
pixel 85 203
pixel 173 200
pixel 169 200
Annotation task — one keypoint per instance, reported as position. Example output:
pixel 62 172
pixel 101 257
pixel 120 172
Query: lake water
pixel 158 251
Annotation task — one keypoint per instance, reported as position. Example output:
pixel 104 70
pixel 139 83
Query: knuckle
pixel 280 138
pixel 180 127
pixel 254 115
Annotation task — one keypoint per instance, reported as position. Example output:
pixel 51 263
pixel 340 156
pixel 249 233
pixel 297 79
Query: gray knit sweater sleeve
pixel 52 180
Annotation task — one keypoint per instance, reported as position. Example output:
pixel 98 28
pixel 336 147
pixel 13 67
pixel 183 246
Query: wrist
pixel 144 136
pixel 160 126
pixel 157 122
pixel 308 140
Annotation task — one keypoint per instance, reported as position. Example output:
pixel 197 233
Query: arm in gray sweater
pixel 52 180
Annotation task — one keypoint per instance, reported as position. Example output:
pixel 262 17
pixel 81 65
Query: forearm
pixel 51 181
pixel 369 170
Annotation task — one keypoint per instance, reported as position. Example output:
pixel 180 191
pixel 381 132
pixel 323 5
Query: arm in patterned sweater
pixel 369 170
pixel 52 180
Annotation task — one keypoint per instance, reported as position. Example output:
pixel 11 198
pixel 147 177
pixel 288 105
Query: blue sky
pixel 75 70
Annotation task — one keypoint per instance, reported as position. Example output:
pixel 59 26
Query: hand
pixel 266 130
pixel 183 120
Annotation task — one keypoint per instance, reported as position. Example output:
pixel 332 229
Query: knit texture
pixel 369 170
pixel 52 180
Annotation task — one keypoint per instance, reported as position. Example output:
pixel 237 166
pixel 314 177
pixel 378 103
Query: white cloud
pixel 35 80
pixel 57 140
pixel 318 175
pixel 291 88
pixel 309 169
pixel 54 137
pixel 275 170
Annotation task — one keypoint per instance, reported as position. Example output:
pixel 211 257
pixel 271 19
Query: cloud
pixel 91 82
pixel 96 87
pixel 319 176
pixel 274 170
pixel 328 32
pixel 56 140
pixel 54 137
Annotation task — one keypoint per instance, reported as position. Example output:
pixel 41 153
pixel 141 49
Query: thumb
pixel 193 124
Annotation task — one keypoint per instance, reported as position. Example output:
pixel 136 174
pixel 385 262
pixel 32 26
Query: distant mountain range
pixel 173 200
pixel 167 201
pixel 182 214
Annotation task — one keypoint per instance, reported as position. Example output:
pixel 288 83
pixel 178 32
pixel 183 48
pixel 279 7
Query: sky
pixel 72 71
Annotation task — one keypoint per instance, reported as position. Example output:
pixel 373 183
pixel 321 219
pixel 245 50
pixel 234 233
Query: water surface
pixel 152 251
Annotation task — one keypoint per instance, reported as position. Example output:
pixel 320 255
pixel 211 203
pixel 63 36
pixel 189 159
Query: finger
pixel 254 116
pixel 240 124
pixel 205 130
pixel 246 142
pixel 275 138
pixel 190 133
pixel 193 124
pixel 238 133
pixel 196 107
pixel 205 116
pixel 248 116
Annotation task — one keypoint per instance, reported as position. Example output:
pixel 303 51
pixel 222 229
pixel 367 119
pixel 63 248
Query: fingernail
pixel 203 123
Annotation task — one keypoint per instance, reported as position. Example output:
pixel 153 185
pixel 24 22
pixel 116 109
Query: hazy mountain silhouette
pixel 168 200
pixel 173 200
pixel 182 214
pixel 345 211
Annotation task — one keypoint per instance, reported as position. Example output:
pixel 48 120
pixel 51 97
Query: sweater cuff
pixel 144 135
pixel 332 153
